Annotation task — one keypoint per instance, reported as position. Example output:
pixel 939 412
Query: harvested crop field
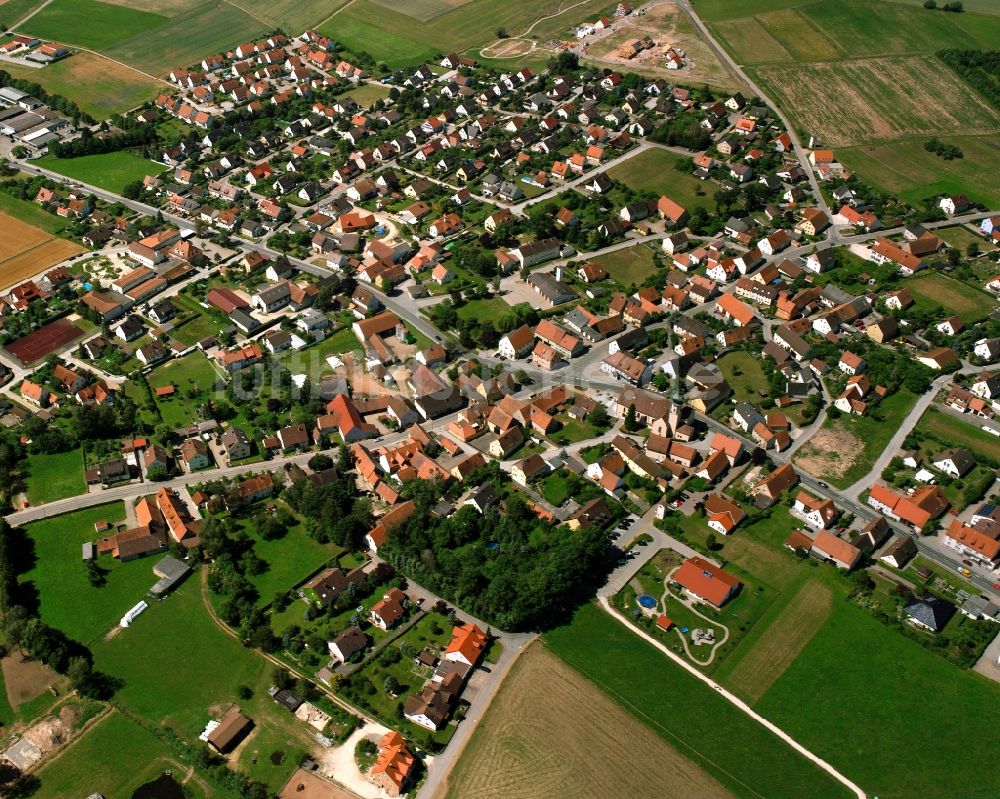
pixel 785 637
pixel 17 236
pixel 831 452
pixel 877 99
pixel 45 340
pixel 100 86
pixel 19 268
pixel 26 250
pixel 550 732
pixel 26 679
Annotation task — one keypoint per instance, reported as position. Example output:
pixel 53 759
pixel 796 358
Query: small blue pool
pixel 646 601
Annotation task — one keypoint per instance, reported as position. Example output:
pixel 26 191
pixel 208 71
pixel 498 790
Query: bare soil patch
pixel 668 27
pixel 781 643
pixel 508 48
pixel 25 679
pixel 550 732
pixel 830 452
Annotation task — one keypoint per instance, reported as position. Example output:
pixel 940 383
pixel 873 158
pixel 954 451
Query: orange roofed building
pixel 468 644
pixel 924 504
pixel 706 581
pixel 394 768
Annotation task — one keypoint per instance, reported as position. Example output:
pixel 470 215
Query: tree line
pixel 979 68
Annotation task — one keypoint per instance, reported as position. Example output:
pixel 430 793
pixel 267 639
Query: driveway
pixel 338 763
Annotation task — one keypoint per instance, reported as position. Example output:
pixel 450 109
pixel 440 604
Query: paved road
pixel 896 442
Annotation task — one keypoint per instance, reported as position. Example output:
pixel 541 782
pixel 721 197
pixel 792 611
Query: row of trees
pixel 89 144
pixel 54 101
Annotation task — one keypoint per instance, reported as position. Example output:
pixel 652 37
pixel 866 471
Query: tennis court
pixel 44 341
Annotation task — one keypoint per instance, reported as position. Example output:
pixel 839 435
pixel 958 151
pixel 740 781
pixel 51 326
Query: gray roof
pixel 932 612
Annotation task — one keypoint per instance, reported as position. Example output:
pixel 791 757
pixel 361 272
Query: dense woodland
pixel 979 68
pixel 506 566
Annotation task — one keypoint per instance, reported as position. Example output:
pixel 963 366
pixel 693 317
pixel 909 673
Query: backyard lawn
pixel 958 433
pixel 744 374
pixel 630 266
pixel 61 580
pixel 52 477
pixel 290 559
pixel 491 309
pixel 932 289
pixel 655 171
pixel 192 373
pixel 110 171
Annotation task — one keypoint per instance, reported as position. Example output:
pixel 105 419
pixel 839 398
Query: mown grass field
pixel 904 168
pixel 398 39
pixel 749 41
pixel 655 171
pixel 111 171
pixel 692 718
pixel 959 433
pixel 189 37
pixel 932 289
pixel 820 30
pixel 61 580
pixel 865 698
pixel 30 214
pixel 864 28
pixel 903 96
pixel 783 635
pixel 510 754
pixel 52 477
pixel 629 266
pixel 422 10
pixel 13 11
pixel 89 23
pixel 100 86
pixel 166 659
pixel 95 761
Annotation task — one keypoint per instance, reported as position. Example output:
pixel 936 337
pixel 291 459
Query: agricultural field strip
pixel 508 757
pixel 732 699
pixel 877 99
pixel 782 641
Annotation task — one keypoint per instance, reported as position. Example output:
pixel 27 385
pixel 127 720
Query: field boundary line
pixel 22 21
pixel 319 25
pixel 739 703
pixel 30 249
pixel 250 14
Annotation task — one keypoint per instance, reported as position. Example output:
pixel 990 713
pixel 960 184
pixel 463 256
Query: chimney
pixel 559 273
